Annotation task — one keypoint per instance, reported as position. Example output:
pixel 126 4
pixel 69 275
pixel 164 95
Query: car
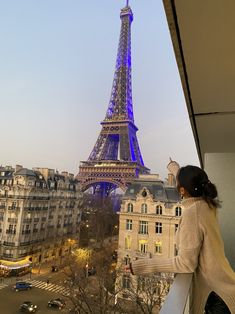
pixel 28 307
pixel 91 271
pixel 22 285
pixel 54 268
pixel 56 303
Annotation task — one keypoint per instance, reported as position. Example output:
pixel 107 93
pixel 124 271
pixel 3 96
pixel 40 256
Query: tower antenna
pixel 127 3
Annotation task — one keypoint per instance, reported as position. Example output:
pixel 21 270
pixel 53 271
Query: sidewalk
pixel 43 270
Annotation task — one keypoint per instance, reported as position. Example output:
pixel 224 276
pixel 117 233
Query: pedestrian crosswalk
pixel 42 285
pixel 3 285
pixel 50 287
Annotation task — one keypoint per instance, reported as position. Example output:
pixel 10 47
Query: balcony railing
pixel 7 255
pixel 11 231
pixel 177 300
pixel 139 254
pixel 8 243
pixel 26 231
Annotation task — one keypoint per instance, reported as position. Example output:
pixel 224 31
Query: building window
pixel 178 211
pixel 143 227
pixel 158 247
pixel 159 210
pixel 143 246
pixel 144 208
pixel 126 282
pixel 11 229
pixel 129 224
pixel 127 242
pixel 176 227
pixel 175 250
pixel 130 208
pixel 158 227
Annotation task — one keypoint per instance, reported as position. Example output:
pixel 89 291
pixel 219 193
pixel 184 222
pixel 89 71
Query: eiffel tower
pixel 116 158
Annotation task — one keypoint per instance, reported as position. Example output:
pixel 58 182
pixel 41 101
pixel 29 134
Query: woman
pixel 200 246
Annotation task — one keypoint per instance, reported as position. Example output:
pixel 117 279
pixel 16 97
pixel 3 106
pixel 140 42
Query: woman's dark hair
pixel 196 183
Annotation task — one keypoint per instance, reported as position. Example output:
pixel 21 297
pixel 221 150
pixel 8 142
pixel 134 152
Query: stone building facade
pixel 39 216
pixel 149 218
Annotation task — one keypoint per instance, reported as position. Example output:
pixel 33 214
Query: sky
pixel 57 60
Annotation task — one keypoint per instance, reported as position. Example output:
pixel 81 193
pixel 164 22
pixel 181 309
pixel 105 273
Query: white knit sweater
pixel 200 251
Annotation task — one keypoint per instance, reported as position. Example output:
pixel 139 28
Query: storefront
pixel 19 268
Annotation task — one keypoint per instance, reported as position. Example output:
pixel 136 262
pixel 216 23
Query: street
pixel 11 300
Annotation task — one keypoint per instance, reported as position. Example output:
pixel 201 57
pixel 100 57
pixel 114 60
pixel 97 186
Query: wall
pixel 221 170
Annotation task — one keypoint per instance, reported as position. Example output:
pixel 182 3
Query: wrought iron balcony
pixel 11 231
pixel 27 220
pixel 7 255
pixel 139 254
pixel 25 243
pixel 6 243
pixel 26 231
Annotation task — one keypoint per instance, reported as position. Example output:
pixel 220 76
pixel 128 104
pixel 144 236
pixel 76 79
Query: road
pixel 11 300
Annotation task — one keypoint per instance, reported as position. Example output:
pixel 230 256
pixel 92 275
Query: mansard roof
pixel 25 172
pixel 158 189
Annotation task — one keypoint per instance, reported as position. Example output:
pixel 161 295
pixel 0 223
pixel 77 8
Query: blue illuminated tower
pixel 116 158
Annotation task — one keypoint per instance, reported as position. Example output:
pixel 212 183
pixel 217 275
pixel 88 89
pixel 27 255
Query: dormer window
pixel 159 210
pixel 144 208
pixel 178 211
pixel 130 208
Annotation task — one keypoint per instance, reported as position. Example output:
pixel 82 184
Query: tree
pixel 99 220
pixel 144 294
pixel 92 294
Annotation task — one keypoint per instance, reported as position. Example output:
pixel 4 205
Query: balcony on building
pixel 206 66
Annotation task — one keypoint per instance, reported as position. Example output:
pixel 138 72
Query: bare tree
pixel 92 292
pixel 144 294
pixel 98 219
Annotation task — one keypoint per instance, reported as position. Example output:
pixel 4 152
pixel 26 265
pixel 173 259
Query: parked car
pixel 54 268
pixel 91 271
pixel 56 303
pixel 28 307
pixel 22 285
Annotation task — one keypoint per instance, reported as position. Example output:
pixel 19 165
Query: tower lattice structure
pixel 116 158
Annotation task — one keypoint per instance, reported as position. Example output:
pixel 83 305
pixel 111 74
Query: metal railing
pixel 177 300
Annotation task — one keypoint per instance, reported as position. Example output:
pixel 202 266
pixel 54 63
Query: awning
pixel 15 265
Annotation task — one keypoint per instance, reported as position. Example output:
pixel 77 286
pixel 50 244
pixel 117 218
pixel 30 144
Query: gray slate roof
pixel 159 191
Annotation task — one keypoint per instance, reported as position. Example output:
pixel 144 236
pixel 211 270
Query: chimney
pixel 171 180
pixel 18 167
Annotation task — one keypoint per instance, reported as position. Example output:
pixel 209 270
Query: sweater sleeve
pixel 189 244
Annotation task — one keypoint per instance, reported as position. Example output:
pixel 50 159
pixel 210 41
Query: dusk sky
pixel 57 64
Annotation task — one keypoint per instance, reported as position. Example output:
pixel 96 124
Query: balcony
pixel 12 220
pixel 26 231
pixel 27 220
pixel 13 208
pixel 6 243
pixel 10 231
pixel 25 243
pixel 177 300
pixel 139 254
pixel 7 255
